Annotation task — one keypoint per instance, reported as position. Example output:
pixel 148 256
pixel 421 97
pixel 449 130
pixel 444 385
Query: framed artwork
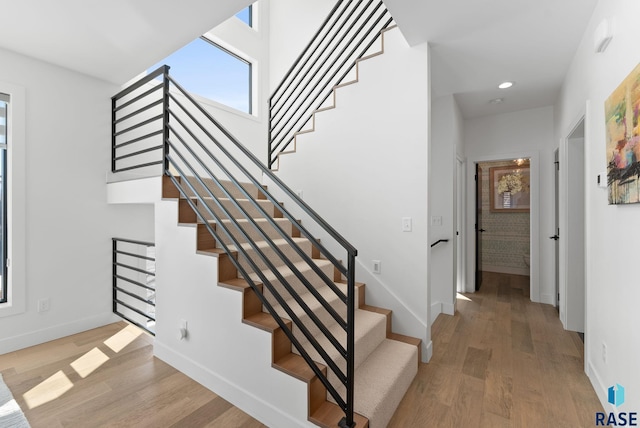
pixel 509 189
pixel 622 113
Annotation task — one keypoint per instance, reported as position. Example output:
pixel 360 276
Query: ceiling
pixel 114 40
pixel 475 45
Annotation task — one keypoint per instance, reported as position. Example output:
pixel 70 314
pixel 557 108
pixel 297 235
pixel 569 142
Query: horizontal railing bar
pixel 135 296
pixel 137 324
pixel 139 125
pixel 138 98
pixel 275 102
pixel 134 309
pixel 135 255
pixel 265 260
pixel 135 140
pixel 269 196
pixel 295 63
pixel 290 217
pixel 139 152
pixel 259 294
pixel 309 105
pixel 146 79
pixel 347 71
pixel 139 284
pixel 139 111
pixel 134 268
pixel 267 239
pixel 133 241
pixel 143 165
pixel 311 74
pixel 305 207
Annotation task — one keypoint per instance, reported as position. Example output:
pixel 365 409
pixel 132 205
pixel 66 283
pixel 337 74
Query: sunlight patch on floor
pixel 58 384
pixel 48 390
pixel 121 339
pixel 89 362
pixel 463 297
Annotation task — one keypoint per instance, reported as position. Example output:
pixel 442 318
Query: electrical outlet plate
pixel 376 266
pixel 44 305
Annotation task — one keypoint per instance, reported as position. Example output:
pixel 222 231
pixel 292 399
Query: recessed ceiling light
pixel 505 85
pixel 496 101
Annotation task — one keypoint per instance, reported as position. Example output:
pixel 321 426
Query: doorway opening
pixel 571 206
pixel 503 220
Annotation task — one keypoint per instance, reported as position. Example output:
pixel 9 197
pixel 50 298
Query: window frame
pixel 16 201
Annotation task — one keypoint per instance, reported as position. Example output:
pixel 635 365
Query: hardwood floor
pixel 501 361
pixel 108 377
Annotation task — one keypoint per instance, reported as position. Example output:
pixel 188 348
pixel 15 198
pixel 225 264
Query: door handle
pixel 482 230
pixel 554 237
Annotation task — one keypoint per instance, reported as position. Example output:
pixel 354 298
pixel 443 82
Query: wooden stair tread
pixel 264 321
pixel 329 415
pixel 406 339
pixel 296 366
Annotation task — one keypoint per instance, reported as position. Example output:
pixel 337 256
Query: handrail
pixel 206 163
pixel 136 292
pixel 438 242
pixel 324 63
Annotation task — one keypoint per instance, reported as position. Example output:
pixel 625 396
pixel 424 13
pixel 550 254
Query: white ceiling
pixel 114 40
pixel 477 44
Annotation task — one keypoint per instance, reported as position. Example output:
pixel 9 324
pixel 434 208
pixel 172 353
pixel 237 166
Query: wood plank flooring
pixel 108 377
pixel 501 361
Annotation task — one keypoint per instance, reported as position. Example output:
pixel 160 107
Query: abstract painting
pixel 622 110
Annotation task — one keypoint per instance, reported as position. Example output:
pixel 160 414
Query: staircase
pixel 385 362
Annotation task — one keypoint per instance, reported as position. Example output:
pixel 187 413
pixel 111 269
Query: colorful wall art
pixel 622 110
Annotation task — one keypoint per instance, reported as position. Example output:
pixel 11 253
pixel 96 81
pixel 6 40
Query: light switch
pixel 406 224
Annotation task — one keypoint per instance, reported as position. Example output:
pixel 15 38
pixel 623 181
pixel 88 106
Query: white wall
pixel 365 168
pixel 292 25
pixel 446 139
pixel 527 133
pixel 613 289
pixel 222 353
pixel 67 223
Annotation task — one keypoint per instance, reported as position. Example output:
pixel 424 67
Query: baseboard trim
pixel 599 387
pixel 547 299
pixel 449 308
pixel 241 398
pixel 436 309
pixel 429 352
pixel 48 334
pixel 508 270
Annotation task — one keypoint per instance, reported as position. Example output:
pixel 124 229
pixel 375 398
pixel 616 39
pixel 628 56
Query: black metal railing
pixel 345 36
pixel 210 167
pixel 134 290
pixel 439 241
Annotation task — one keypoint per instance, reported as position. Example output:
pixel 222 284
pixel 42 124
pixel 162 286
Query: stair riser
pixel 320 312
pixel 230 187
pixel 271 255
pixel 366 342
pixel 256 236
pixel 295 283
pixel 234 212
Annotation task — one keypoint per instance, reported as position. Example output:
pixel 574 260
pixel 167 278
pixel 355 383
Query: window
pixel 246 16
pixel 206 69
pixel 4 103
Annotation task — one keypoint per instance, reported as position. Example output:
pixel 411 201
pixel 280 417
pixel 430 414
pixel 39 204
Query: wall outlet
pixel 436 220
pixel 406 224
pixel 376 266
pixel 44 304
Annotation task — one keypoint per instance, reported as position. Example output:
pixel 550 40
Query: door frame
pixel 565 174
pixel 534 227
